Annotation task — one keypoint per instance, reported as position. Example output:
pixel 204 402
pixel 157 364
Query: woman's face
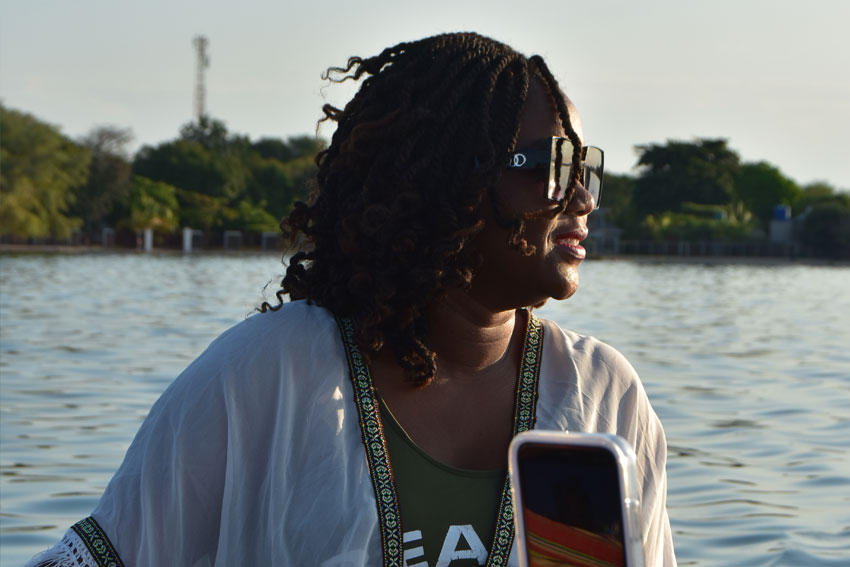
pixel 508 279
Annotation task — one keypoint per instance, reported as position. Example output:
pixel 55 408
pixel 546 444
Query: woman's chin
pixel 568 284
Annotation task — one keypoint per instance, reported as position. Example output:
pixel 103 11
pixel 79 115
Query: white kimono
pixel 254 455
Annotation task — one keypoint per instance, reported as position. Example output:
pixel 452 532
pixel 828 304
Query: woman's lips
pixel 569 243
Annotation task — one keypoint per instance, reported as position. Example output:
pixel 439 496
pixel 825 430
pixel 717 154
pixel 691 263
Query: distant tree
pixel 303 173
pixel 761 186
pixel 617 194
pixel 679 172
pixel 278 183
pixel 109 178
pixel 209 132
pixel 287 174
pixel 824 220
pixel 255 218
pixel 273 148
pixel 306 146
pixel 815 193
pixel 198 210
pixel 152 204
pixel 190 165
pixel 39 168
pixel 292 148
pixel 826 228
pixel 270 182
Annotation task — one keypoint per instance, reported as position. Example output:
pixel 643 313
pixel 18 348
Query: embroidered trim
pixel 377 454
pixel 97 543
pixel 524 418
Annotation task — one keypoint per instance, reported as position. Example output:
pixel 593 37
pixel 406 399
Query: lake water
pixel 747 365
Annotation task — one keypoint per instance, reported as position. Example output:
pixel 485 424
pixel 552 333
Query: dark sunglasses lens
pixel 559 168
pixel 592 172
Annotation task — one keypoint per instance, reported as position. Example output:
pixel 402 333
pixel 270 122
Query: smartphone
pixel 576 501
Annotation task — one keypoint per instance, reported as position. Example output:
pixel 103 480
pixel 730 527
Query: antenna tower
pixel 203 61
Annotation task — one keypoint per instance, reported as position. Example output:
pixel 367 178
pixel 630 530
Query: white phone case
pixel 624 457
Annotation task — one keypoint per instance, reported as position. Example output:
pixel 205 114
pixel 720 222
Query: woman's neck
pixel 464 416
pixel 468 338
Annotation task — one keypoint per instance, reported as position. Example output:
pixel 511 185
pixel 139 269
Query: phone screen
pixel 571 506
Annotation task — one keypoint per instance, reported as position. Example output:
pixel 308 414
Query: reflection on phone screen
pixel 571 506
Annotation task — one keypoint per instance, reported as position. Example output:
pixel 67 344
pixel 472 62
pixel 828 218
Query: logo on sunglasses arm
pixel 518 160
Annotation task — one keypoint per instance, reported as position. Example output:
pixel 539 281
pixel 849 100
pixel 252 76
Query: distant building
pixel 781 227
pixel 604 237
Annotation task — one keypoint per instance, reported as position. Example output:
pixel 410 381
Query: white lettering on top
pixel 450 550
pixel 413 554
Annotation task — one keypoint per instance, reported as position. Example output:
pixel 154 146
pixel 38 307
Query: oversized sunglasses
pixel 558 159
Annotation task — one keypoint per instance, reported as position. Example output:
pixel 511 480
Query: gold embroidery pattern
pixel 97 543
pixel 375 443
pixel 524 417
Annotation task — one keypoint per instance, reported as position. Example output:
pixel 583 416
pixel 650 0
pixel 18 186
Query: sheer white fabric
pixel 254 454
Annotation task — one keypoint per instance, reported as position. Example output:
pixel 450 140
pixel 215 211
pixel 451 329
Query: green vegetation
pixel 825 220
pixel 151 204
pixel 206 178
pixel 701 172
pixel 97 201
pixel 39 167
pixel 700 190
pixel 210 179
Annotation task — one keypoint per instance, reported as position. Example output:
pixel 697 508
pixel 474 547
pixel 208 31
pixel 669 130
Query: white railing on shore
pixel 696 248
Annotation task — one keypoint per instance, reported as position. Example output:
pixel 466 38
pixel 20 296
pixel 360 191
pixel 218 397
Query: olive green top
pixel 448 514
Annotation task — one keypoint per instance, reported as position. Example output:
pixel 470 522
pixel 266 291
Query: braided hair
pixel 415 151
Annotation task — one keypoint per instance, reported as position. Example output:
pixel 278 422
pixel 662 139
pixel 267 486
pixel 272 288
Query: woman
pixel 438 220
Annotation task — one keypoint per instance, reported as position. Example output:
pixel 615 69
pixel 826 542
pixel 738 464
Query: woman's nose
pixel 581 203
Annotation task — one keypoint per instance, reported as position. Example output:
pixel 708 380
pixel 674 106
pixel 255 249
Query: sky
pixel 772 77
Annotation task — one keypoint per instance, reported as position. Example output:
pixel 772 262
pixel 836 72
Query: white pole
pixel 187 239
pixel 148 239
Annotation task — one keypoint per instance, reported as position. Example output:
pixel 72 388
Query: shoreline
pixel 742 260
pixel 69 249
pixel 47 249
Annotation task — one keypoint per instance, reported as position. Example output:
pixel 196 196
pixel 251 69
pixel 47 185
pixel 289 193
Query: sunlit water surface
pixel 747 365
